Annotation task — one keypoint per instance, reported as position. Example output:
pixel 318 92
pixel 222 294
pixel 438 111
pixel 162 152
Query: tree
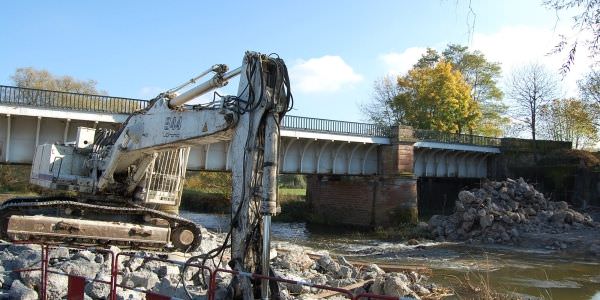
pixel 42 79
pixel 569 120
pixel 531 87
pixel 436 98
pixel 586 24
pixel 428 59
pixel 589 87
pixel 482 76
pixel 381 111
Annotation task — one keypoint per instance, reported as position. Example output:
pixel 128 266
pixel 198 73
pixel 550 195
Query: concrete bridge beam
pixel 7 143
pixel 441 169
pixel 452 162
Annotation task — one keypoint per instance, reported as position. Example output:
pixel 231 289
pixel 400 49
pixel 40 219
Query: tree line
pixel 458 91
pixel 42 79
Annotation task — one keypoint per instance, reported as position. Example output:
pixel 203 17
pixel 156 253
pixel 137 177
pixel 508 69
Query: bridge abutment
pixel 387 199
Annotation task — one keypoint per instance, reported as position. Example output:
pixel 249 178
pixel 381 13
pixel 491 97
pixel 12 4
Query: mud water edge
pixel 539 270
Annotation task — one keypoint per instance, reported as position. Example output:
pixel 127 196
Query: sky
pixel 334 50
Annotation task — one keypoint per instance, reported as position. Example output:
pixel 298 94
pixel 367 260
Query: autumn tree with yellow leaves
pixel 436 97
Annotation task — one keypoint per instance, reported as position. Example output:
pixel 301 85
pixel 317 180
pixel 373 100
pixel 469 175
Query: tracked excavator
pixel 127 183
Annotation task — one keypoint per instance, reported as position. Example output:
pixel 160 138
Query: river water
pixel 530 273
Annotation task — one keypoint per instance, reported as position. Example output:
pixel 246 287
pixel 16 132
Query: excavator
pixel 124 185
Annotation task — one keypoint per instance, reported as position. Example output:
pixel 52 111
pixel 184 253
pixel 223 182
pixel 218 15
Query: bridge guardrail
pixel 335 126
pixel 456 138
pixel 107 104
pixel 74 101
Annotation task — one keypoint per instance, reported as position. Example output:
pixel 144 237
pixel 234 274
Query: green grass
pixel 15 179
pixel 292 191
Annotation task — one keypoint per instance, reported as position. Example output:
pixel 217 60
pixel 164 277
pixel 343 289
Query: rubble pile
pixel 141 273
pixel 325 270
pixel 137 272
pixel 501 211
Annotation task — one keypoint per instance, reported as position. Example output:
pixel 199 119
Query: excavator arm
pixel 130 175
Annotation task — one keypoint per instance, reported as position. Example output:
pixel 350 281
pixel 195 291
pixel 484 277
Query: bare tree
pixel 585 28
pixel 531 87
pixel 589 87
pixel 380 110
pixel 42 79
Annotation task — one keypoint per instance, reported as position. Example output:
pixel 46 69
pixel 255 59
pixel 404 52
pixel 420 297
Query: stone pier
pixel 386 199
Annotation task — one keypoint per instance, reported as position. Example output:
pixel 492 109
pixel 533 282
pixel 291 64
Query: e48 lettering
pixel 173 123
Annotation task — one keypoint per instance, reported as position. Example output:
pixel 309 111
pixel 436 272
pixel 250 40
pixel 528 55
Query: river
pixel 530 273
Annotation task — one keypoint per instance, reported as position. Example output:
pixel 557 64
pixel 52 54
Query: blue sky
pixel 335 50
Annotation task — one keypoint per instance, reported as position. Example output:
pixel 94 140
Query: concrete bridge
pixel 310 146
pixel 384 162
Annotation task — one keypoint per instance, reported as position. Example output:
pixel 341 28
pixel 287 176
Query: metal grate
pixel 166 175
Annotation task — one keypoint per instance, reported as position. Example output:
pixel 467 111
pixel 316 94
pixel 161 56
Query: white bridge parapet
pixel 308 145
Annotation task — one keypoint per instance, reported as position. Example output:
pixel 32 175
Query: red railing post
pixel 76 287
pixel 44 275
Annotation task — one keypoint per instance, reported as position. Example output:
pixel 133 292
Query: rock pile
pixel 135 272
pixel 140 273
pixel 325 270
pixel 501 211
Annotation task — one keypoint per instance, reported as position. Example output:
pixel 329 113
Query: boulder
pixel 396 286
pixel 328 265
pixel 371 271
pixel 20 291
pixel 486 221
pixel 141 279
pixel 57 286
pixel 98 290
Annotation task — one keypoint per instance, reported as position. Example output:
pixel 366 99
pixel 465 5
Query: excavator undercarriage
pixel 68 220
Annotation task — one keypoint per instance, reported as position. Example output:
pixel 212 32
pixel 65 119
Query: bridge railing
pixel 74 101
pixel 456 138
pixel 334 126
pixel 107 104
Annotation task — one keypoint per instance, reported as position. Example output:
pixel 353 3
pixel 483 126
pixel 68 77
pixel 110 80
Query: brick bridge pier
pixel 385 199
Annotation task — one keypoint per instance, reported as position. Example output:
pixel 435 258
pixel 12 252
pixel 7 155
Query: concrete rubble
pixel 324 270
pixel 164 278
pixel 501 212
pixel 135 272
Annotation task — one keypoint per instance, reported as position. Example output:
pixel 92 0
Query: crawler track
pixel 41 206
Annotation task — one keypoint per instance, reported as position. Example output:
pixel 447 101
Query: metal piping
pixel 219 68
pixel 266 256
pixel 217 81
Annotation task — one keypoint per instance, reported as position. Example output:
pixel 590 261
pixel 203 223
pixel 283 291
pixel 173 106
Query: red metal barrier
pixel 368 296
pixel 111 283
pixel 42 268
pixel 151 295
pixel 213 282
pixel 76 287
pixel 77 284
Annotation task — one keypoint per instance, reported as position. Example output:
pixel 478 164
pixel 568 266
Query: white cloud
pixel 514 46
pixel 400 63
pixel 323 74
